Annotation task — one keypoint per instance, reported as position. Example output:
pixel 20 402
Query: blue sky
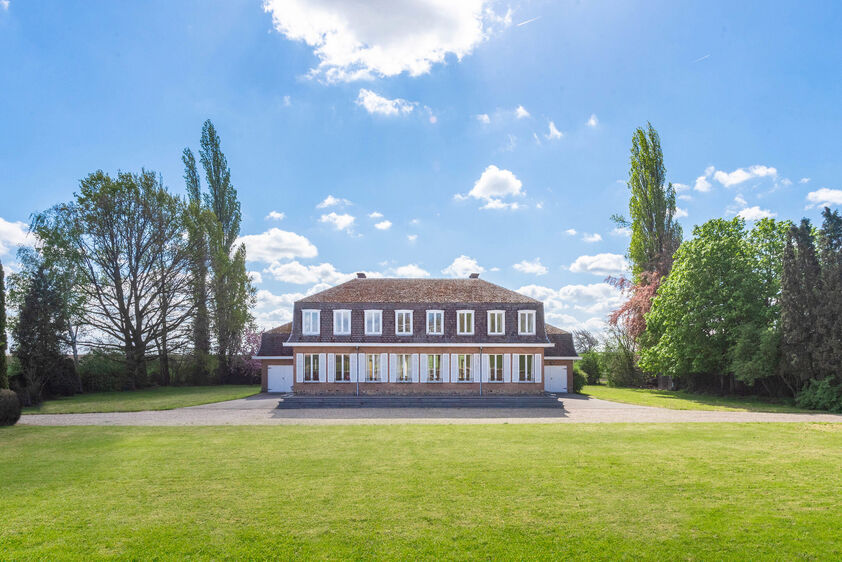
pixel 407 117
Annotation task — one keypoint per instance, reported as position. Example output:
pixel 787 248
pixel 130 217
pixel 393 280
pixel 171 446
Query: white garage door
pixel 555 378
pixel 279 378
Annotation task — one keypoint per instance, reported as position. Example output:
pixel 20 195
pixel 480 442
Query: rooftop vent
pixel 360 275
pixel 473 276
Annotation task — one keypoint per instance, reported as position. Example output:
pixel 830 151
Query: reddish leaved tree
pixel 631 313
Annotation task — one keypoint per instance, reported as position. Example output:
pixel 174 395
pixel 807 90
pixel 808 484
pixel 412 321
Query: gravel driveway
pixel 260 410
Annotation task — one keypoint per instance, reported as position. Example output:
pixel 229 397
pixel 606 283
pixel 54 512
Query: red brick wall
pixel 264 370
pixel 568 363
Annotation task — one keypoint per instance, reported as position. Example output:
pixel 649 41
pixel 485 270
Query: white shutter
pixel 538 369
pixel 422 368
pixel 393 367
pixel 475 367
pixel 353 367
pixel 384 357
pixel 414 367
pixel 331 367
pixel 299 367
pixel 362 368
pixel 322 367
pixel 454 368
pixel 445 367
pixel 507 367
pixel 515 367
pixel 486 367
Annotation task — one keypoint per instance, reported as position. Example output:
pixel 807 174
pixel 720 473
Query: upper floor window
pixel 341 322
pixel 526 322
pixel 373 322
pixel 465 322
pixel 435 322
pixel 403 322
pixel 496 322
pixel 525 363
pixel 495 368
pixel 311 367
pixel 310 322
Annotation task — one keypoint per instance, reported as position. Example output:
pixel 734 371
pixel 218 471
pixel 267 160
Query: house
pixel 417 336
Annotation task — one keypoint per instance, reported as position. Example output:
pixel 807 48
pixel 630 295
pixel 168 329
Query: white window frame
pixel 342 361
pixel 466 368
pixel 304 314
pixel 436 359
pixel 336 317
pixel 502 314
pixel 529 361
pixel 492 366
pixel 398 313
pixel 459 314
pixel 313 367
pixel 440 314
pixel 522 314
pixel 379 314
pixel 403 367
pixel 372 367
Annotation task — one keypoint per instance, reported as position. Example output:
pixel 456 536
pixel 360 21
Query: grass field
pixel 653 491
pixel 680 400
pixel 162 398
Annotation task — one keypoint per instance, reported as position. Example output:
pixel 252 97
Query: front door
pixel 555 378
pixel 279 378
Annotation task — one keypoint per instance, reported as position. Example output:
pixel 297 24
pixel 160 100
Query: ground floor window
pixel 495 368
pixel 404 365
pixel 434 368
pixel 343 368
pixel 525 368
pixel 311 367
pixel 463 363
pixel 372 368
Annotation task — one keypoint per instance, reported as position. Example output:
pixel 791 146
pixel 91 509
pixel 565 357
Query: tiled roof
pixel 563 343
pixel 282 329
pixel 379 290
pixel 272 342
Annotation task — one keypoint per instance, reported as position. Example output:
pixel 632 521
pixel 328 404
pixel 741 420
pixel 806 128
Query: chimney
pixel 360 275
pixel 473 276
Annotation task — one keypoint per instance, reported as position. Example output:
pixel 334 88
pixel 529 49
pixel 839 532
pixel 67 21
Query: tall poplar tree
pixel 4 379
pixel 829 316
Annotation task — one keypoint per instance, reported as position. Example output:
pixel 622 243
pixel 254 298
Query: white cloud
pixel 681 213
pixel 804 180
pixel 679 187
pixel 300 274
pixel 415 222
pixel 364 40
pixel 576 306
pixel 331 201
pixel 383 225
pixel 410 270
pixel 554 133
pixel 571 232
pixel 484 118
pixel 379 105
pixel 493 185
pixel 256 277
pixel 621 231
pixel 412 237
pixel 375 215
pixel 593 121
pixel 591 237
pixel 823 197
pixel 741 175
pixel 600 264
pixel 287 101
pixel 534 267
pixel 702 184
pixel 756 213
pixel 12 234
pixel 341 222
pixel 786 182
pixel 272 310
pixel 275 216
pixel 276 244
pixel 462 267
pixel 521 113
pixel 4 4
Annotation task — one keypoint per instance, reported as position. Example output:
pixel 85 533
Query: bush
pixel 589 365
pixel 63 381
pixel 579 380
pixel 101 372
pixel 820 395
pixel 622 370
pixel 9 407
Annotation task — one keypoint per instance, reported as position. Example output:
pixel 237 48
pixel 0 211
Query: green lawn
pixel 162 398
pixel 680 400
pixel 642 491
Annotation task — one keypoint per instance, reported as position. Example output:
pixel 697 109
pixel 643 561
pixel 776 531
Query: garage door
pixel 555 378
pixel 279 378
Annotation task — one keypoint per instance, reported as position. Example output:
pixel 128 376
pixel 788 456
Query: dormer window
pixel 526 322
pixel 373 322
pixel 465 322
pixel 435 322
pixel 403 322
pixel 496 322
pixel 341 322
pixel 310 322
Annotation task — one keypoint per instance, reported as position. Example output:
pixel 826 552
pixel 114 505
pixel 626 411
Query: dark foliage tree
pixel 828 358
pixel 4 379
pixel 584 341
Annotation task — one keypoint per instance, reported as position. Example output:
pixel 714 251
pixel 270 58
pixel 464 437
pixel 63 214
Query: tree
pixel 828 359
pixel 655 232
pixel 4 378
pixel 584 340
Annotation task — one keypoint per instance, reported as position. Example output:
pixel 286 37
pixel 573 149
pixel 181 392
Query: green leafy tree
pixel 197 220
pixel 4 378
pixel 828 359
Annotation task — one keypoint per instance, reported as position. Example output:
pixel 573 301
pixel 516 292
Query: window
pixel 372 367
pixel 403 322
pixel 404 372
pixel 465 322
pixel 463 363
pixel 343 368
pixel 526 322
pixel 496 322
pixel 495 368
pixel 311 367
pixel 525 368
pixel 373 322
pixel 341 322
pixel 434 368
pixel 310 322
pixel 435 322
